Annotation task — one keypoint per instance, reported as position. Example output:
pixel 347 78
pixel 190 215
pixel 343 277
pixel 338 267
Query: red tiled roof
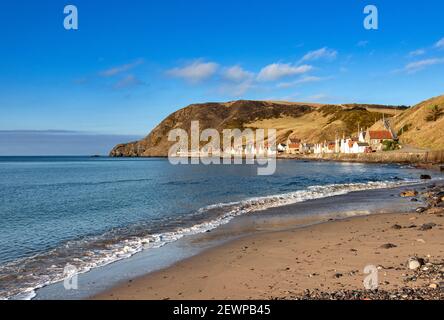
pixel 294 145
pixel 380 135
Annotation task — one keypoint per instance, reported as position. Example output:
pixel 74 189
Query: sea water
pixel 88 212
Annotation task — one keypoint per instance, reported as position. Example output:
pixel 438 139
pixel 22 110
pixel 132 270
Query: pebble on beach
pixel 415 263
pixel 409 193
pixel 388 246
pixel 427 226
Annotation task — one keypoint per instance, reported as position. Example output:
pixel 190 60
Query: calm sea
pixel 88 212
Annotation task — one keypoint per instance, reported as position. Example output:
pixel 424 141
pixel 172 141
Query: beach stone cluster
pixel 404 293
pixel 423 279
pixel 430 273
pixel 432 196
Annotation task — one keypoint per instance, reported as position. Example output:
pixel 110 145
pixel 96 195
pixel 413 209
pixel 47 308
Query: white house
pixel 360 147
pixel 307 148
pixel 330 147
pixel 282 147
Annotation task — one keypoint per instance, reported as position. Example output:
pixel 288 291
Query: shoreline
pixel 104 277
pixel 323 258
pixel 429 160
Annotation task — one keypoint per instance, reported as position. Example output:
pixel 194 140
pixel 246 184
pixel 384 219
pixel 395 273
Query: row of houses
pixel 295 146
pixel 366 142
pixel 245 150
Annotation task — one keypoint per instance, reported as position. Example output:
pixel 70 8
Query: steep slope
pixel 311 122
pixel 325 122
pixel 415 129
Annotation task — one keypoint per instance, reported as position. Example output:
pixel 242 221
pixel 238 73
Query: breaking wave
pixel 20 278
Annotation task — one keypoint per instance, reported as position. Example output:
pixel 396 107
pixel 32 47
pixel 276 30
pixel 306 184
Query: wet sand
pixel 328 257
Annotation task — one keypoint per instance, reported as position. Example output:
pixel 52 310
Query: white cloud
pixel 421 64
pixel 305 79
pixel 236 89
pixel 323 53
pixel 320 97
pixel 275 71
pixel 287 98
pixel 237 74
pixel 195 72
pixel 120 69
pixel 416 53
pixel 128 81
pixel 362 43
pixel 82 80
pixel 239 81
pixel 440 43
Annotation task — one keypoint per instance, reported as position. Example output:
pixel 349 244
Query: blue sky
pixel 131 63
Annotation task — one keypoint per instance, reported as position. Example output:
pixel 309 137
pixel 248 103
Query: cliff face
pixel 311 122
pixel 210 115
pixel 422 125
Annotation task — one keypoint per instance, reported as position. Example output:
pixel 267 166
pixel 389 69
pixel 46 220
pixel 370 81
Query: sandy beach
pixel 321 261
